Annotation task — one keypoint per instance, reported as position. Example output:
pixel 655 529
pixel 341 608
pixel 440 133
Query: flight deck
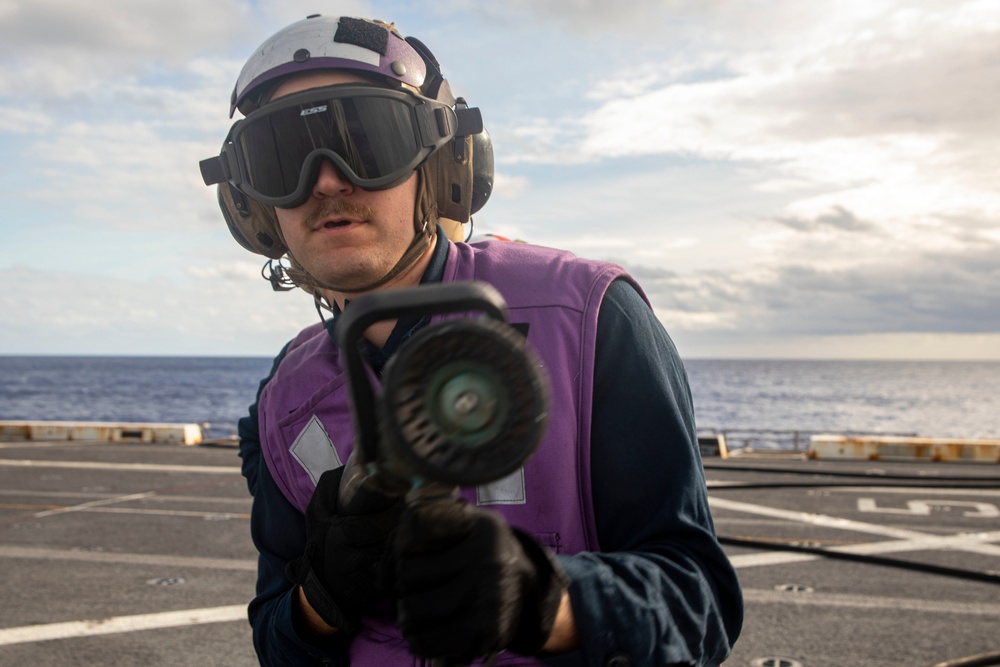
pixel 138 553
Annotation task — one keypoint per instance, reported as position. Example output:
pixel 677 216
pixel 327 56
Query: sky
pixel 785 179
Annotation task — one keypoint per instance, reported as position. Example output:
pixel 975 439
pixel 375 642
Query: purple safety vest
pixel 305 414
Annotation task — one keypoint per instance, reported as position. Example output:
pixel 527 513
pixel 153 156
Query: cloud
pixel 229 272
pixel 117 106
pixel 838 100
pixel 127 157
pixel 874 133
pixel 566 12
pixel 902 346
pixel 18 121
pixel 509 185
pixel 869 108
pixel 123 175
pixel 275 14
pixel 58 49
pixel 222 312
pixel 161 29
pixel 802 170
pixel 661 20
pixel 928 293
pixel 838 218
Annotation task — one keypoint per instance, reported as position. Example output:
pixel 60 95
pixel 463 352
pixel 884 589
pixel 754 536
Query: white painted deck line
pixel 905 540
pixel 116 624
pixel 43 553
pixel 135 467
pixel 872 602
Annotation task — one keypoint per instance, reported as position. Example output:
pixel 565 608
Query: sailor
pixel 353 170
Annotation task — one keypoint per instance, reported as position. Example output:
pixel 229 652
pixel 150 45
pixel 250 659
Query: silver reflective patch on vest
pixel 506 491
pixel 314 450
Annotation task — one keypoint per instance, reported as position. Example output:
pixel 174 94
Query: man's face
pixel 344 235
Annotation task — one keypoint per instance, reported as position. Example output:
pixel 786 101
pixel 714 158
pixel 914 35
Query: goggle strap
pixel 213 170
pixel 222 168
pixel 470 120
pixel 443 122
pixel 435 124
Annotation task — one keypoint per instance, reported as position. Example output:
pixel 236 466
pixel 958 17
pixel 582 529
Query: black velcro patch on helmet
pixel 362 33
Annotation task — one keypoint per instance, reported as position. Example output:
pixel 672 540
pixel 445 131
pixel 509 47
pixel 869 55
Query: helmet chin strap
pixel 425 229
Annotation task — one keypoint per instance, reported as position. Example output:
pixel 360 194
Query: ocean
pixel 946 399
pixel 763 403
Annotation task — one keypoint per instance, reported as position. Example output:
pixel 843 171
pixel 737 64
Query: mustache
pixel 328 208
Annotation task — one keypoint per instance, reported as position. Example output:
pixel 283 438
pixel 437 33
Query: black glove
pixel 339 571
pixel 468 585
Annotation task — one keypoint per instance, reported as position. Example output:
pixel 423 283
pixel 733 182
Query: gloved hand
pixel 468 585
pixel 339 571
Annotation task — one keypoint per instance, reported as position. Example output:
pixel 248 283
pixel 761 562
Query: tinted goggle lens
pixel 377 137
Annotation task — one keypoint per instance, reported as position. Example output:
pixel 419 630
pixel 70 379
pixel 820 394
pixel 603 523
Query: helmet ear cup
pixel 463 176
pixel 252 224
pixel 461 185
pixel 451 171
pixel 482 170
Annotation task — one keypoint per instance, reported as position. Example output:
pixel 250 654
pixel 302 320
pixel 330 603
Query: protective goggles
pixel 375 136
